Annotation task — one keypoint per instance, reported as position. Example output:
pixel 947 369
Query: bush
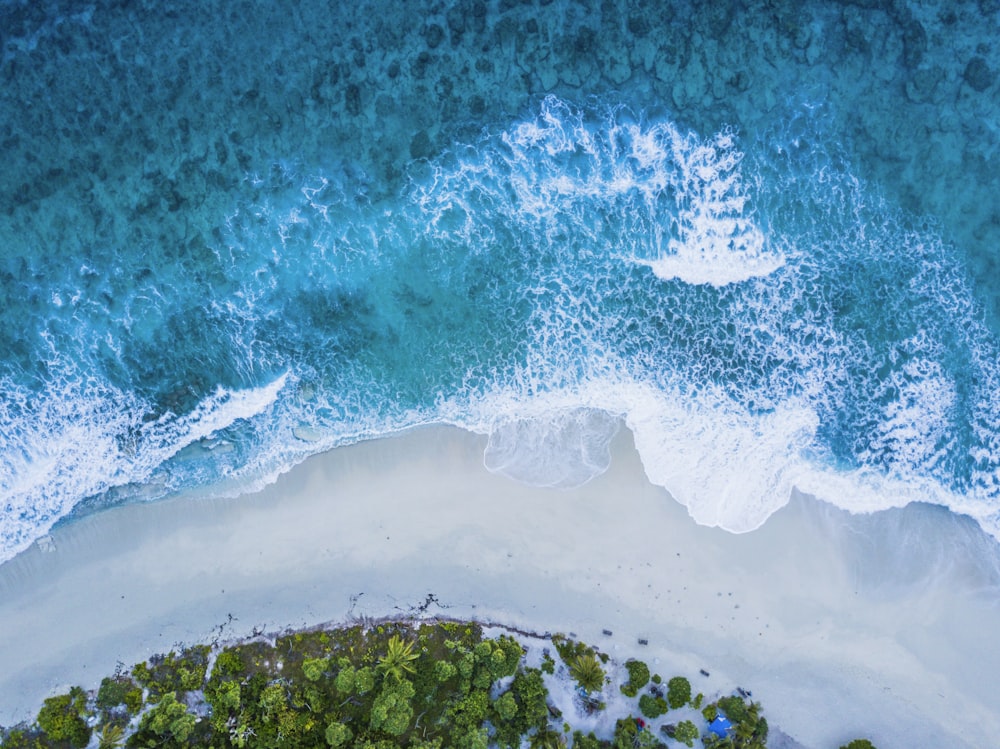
pixel 119 690
pixel 678 692
pixel 638 677
pixel 734 708
pixel 172 672
pixel 18 738
pixel 313 668
pixel 859 744
pixel 686 733
pixel 168 722
pixel 337 734
pixel 548 665
pixel 60 718
pixel 652 707
pixel 638 673
pixel 590 741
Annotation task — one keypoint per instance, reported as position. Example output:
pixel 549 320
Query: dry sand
pixel 842 626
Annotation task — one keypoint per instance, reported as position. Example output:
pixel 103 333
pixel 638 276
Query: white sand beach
pixel 843 627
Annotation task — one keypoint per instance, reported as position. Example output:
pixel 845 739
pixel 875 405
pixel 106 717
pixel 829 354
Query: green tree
pixel 110 736
pixel 652 707
pixel 678 692
pixel 638 677
pixel 19 738
pixel 61 718
pixel 505 657
pixel 344 683
pixel 529 692
pixel 859 744
pixel 471 738
pixel 587 672
pixel 354 681
pixel 337 734
pixel 734 708
pixel 314 668
pixel 168 723
pixel 590 741
pixel 628 735
pixel 120 690
pixel 546 739
pixel 443 670
pixel 506 706
pixel 392 711
pixel 471 710
pixel 687 732
pixel 398 659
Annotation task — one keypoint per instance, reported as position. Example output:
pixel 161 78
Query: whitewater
pixel 196 305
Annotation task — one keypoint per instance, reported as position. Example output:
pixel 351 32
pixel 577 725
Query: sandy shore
pixel 842 626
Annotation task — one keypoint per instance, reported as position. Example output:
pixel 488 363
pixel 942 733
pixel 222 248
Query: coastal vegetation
pixel 426 685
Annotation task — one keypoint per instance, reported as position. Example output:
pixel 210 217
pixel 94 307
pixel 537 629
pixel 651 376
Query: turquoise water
pixel 764 236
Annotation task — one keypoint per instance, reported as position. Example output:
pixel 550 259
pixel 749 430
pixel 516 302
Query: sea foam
pixel 81 437
pixel 756 315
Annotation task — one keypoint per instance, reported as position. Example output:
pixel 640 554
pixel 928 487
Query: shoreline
pixel 808 611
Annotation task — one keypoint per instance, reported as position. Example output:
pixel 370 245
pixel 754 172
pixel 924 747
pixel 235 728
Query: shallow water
pixel 763 235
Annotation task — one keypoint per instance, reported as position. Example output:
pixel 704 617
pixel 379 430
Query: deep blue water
pixel 764 238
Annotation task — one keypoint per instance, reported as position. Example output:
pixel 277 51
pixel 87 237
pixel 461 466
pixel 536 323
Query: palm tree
pixel 398 659
pixel 586 670
pixel 546 738
pixel 110 736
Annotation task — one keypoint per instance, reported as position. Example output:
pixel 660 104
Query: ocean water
pixel 764 236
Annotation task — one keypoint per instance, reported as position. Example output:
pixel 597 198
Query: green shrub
pixel 117 691
pixel 652 707
pixel 657 679
pixel 638 677
pixel 61 718
pixel 638 673
pixel 548 665
pixel 228 663
pixel 337 734
pixel 392 710
pixel 590 741
pixel 506 706
pixel 168 722
pixel 687 732
pixel 859 744
pixel 443 670
pixel 313 668
pixel 678 692
pixel 172 672
pixel 734 708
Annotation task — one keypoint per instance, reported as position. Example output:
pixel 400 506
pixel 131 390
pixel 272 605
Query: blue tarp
pixel 720 726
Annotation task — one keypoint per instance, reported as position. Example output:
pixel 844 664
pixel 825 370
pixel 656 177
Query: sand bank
pixel 842 626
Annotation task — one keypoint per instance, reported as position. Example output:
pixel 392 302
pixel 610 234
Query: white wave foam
pixel 730 469
pixel 170 433
pixel 81 436
pixel 737 383
pixel 563 449
pixel 825 353
pixel 682 201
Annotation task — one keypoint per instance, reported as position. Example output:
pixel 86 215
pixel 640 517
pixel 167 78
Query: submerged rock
pixel 978 74
pixel 922 85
